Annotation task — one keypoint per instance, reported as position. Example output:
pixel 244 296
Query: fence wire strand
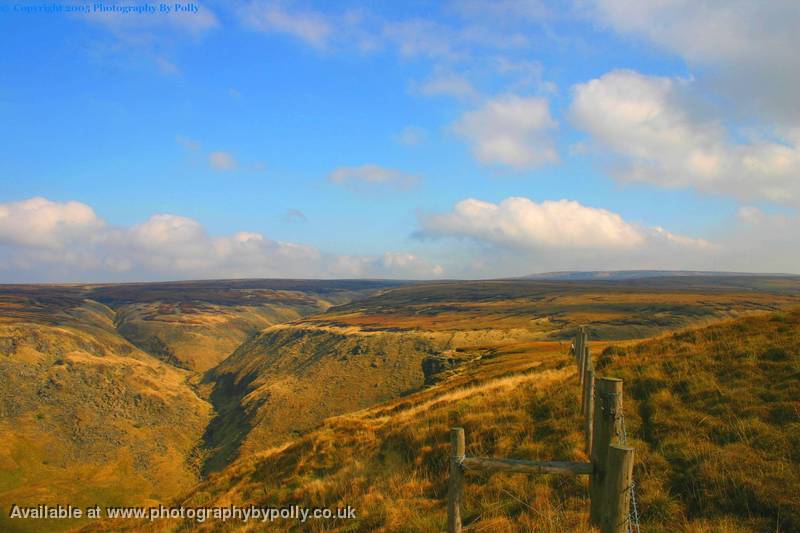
pixel 633 514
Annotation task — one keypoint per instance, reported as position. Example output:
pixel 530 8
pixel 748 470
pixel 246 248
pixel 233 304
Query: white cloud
pixel 510 130
pixel 649 122
pixel 43 223
pixel 390 264
pixel 411 136
pixel 521 222
pixel 42 240
pixel 759 241
pixel 222 161
pixel 446 84
pixel 420 37
pixel 365 30
pixel 746 48
pixel 371 176
pixel 749 214
pixel 167 67
pixel 518 236
pixel 310 26
pixel 514 10
pixel 189 144
pixel 525 75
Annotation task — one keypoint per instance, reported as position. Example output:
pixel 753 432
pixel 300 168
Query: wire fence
pixel 633 515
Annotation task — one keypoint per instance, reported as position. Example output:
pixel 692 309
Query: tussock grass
pixel 714 415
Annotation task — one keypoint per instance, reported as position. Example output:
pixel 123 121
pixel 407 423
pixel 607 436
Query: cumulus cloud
pixel 42 223
pixel 43 240
pixel 222 161
pixel 649 123
pixel 747 48
pixel 522 222
pixel 407 264
pixel 372 176
pixel 510 130
pixel 519 236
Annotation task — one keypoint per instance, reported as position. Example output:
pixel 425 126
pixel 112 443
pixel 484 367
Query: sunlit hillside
pixel 349 401
pixel 711 412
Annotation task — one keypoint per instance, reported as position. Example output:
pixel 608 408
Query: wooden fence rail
pixel 610 470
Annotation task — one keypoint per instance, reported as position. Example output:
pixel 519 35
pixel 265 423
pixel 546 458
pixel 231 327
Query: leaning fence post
pixel 616 513
pixel 456 489
pixel 588 409
pixel 607 426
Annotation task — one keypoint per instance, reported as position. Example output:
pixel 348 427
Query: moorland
pixel 334 393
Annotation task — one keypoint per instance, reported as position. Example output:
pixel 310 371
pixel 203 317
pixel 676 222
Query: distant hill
pixel 622 275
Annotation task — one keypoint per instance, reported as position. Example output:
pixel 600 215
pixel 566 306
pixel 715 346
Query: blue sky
pixel 397 139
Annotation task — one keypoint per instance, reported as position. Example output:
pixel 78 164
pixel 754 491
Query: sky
pixel 452 139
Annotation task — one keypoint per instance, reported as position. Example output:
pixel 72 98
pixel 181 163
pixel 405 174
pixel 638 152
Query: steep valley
pixel 132 394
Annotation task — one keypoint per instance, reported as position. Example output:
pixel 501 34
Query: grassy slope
pixel 549 310
pixel 714 415
pixel 195 325
pixel 371 350
pixel 199 335
pixel 291 377
pixel 87 418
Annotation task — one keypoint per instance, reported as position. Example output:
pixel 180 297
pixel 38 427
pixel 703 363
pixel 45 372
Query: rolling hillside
pixel 712 413
pixel 291 377
pixel 85 416
pixel 331 388
pixel 97 403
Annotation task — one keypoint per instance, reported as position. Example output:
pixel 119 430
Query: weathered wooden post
pixel 588 409
pixel 455 491
pixel 616 512
pixel 586 364
pixel 579 343
pixel 607 427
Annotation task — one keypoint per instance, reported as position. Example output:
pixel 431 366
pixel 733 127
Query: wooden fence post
pixel 579 338
pixel 607 427
pixel 588 409
pixel 455 491
pixel 586 364
pixel 616 512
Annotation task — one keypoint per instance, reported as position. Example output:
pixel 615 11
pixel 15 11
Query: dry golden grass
pixel 505 376
pixel 714 415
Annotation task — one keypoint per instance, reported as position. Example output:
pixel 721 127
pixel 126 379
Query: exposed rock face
pixel 434 366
